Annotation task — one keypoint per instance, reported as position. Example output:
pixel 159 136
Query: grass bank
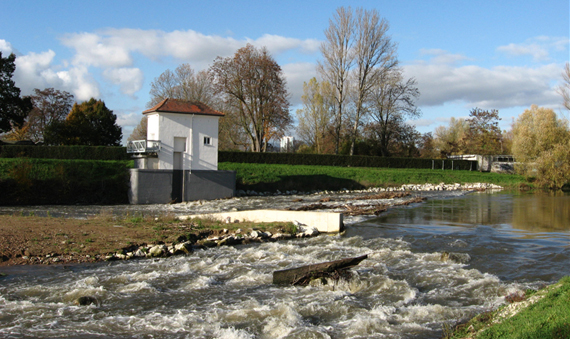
pixel 272 177
pixel 544 314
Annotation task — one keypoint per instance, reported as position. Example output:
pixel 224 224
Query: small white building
pixel 180 155
pixel 187 134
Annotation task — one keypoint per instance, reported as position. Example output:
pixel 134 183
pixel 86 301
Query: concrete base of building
pixel 324 222
pixel 151 186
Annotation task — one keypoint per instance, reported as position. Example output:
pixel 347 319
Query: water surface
pixel 502 244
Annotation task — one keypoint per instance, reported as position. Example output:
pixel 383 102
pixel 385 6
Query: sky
pixel 504 55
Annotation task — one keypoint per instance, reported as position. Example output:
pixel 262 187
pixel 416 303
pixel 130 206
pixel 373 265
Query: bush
pixel 46 181
pixel 342 160
pixel 64 152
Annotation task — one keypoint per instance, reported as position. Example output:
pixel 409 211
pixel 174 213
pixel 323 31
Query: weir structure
pixel 178 161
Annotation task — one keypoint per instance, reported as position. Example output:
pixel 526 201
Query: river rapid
pixel 497 244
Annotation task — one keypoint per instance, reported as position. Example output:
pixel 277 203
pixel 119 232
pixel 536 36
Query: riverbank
pixel 531 314
pixel 42 235
pixel 32 240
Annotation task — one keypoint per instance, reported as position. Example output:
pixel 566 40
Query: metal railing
pixel 143 146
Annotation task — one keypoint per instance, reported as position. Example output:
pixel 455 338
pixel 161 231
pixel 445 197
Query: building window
pixel 207 141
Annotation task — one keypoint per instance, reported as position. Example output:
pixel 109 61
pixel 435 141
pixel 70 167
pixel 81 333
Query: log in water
pixel 300 275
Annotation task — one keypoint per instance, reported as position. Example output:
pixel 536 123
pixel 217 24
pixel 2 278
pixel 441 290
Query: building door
pixel 178 169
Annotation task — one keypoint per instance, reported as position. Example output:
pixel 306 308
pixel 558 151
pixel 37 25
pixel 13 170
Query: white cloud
pixel 36 70
pixel 130 80
pixel 79 82
pixel 539 47
pixel 115 47
pixel 278 44
pixel 497 87
pixel 94 50
pixel 5 48
pixel 296 74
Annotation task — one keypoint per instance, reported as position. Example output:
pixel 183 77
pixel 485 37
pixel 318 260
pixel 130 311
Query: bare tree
pixel 338 60
pixel 182 84
pixel 140 132
pixel 316 115
pixel 374 55
pixel 392 101
pixel 254 88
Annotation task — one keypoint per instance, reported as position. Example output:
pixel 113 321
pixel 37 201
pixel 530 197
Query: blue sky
pixel 505 55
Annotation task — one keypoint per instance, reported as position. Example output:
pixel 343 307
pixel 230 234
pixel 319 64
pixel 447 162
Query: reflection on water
pixel 516 236
pixel 534 212
pixel 542 212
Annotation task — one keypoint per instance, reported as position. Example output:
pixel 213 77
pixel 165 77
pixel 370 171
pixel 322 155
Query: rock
pixel 156 251
pixel 207 243
pixel 228 241
pixel 183 248
pixel 87 300
pixel 139 253
pixel 254 235
pixel 459 258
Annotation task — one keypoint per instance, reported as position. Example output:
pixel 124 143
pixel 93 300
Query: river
pixel 498 244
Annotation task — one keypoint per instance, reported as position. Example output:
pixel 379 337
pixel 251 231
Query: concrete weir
pixel 324 222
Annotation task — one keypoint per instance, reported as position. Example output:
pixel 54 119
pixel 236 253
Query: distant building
pixel 179 159
pixel 287 144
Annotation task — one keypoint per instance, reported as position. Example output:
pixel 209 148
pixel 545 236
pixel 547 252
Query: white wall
pixel 205 126
pixel 197 156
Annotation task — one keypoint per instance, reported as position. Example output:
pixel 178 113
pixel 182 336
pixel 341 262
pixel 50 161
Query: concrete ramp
pixel 324 222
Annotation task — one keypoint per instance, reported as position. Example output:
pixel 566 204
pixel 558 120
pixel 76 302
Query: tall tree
pixel 316 115
pixel 89 123
pixel 392 101
pixel 564 88
pixel 374 55
pixel 49 105
pixel 183 84
pixel 254 88
pixel 483 135
pixel 337 62
pixel 13 108
pixel 540 144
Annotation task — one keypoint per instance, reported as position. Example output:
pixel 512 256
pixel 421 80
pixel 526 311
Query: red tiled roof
pixel 183 107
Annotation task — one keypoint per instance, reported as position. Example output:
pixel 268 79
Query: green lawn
pixel 269 177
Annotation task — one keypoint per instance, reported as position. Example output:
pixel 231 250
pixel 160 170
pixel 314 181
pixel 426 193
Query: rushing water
pixel 501 244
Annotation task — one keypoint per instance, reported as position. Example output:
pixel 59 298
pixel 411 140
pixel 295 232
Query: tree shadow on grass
pixel 303 183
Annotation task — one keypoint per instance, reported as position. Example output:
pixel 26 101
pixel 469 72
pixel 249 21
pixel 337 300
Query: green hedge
pixel 64 152
pixel 54 182
pixel 343 160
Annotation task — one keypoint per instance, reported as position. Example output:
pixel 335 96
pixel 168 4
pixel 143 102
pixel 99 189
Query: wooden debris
pixel 303 275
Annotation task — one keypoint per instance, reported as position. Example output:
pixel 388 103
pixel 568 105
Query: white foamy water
pixel 227 293
pixel 403 290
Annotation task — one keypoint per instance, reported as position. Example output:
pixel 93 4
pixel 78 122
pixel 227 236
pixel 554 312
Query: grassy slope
pixel 304 178
pixel 547 318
